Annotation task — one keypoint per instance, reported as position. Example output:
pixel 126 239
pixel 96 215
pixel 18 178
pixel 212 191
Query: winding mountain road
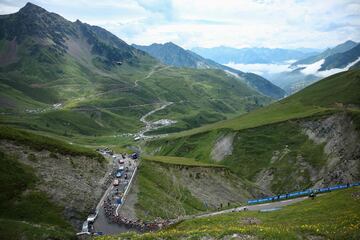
pixel 149 126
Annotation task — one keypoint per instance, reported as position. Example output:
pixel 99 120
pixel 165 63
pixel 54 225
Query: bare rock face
pixel 342 145
pixel 72 182
pixel 223 147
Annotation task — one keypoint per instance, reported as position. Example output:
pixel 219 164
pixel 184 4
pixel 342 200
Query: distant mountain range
pixel 328 52
pixel 172 54
pixel 306 71
pixel 225 55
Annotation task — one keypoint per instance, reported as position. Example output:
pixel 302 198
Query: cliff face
pixel 75 183
pixel 342 146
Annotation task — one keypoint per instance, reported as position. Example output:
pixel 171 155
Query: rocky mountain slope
pixel 47 186
pixel 171 54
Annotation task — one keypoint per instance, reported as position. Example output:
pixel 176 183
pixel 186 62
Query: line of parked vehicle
pixel 124 166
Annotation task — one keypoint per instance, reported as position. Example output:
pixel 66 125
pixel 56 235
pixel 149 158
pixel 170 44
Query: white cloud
pixel 312 68
pixel 261 69
pixel 208 23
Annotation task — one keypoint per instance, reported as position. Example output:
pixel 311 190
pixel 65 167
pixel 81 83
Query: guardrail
pixel 302 193
pixel 126 192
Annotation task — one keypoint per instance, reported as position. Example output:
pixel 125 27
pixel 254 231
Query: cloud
pixel 209 23
pixel 261 69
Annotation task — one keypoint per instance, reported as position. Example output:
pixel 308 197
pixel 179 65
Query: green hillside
pixel 270 143
pixel 331 94
pixel 70 79
pixel 331 216
pixel 172 54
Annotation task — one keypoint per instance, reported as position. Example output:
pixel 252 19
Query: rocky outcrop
pixel 342 146
pixel 72 182
pixel 223 147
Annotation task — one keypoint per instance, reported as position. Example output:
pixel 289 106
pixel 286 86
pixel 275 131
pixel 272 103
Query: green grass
pixel 39 142
pixel 334 215
pixel 160 197
pixel 14 229
pixel 20 201
pixel 196 146
pixel 324 97
pixel 253 150
pixel 262 132
pixel 102 100
pixel 179 161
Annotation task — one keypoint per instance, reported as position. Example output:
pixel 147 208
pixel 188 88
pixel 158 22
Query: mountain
pixel 309 70
pixel 343 47
pixel 71 78
pixel 294 80
pixel 342 60
pixel 225 55
pixel 172 54
pixel 288 145
pixel 65 85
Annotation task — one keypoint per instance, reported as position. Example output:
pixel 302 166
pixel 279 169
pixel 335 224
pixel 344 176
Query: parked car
pixel 121 168
pixel 116 182
pixel 119 174
pixel 121 161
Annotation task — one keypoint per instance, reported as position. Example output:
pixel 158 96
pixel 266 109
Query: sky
pixel 209 23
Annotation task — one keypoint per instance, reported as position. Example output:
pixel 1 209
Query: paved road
pixel 102 224
pixel 257 207
pixel 149 126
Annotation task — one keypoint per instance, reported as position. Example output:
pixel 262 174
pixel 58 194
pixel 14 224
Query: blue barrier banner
pixel 324 189
pixel 301 193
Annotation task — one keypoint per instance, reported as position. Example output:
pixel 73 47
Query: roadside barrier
pixel 302 193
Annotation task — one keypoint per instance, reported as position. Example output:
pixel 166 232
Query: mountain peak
pixel 349 42
pixel 32 8
pixel 170 44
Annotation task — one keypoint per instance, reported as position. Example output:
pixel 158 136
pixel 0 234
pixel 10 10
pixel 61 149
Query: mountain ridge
pixel 172 54
pixel 340 48
pixel 225 55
